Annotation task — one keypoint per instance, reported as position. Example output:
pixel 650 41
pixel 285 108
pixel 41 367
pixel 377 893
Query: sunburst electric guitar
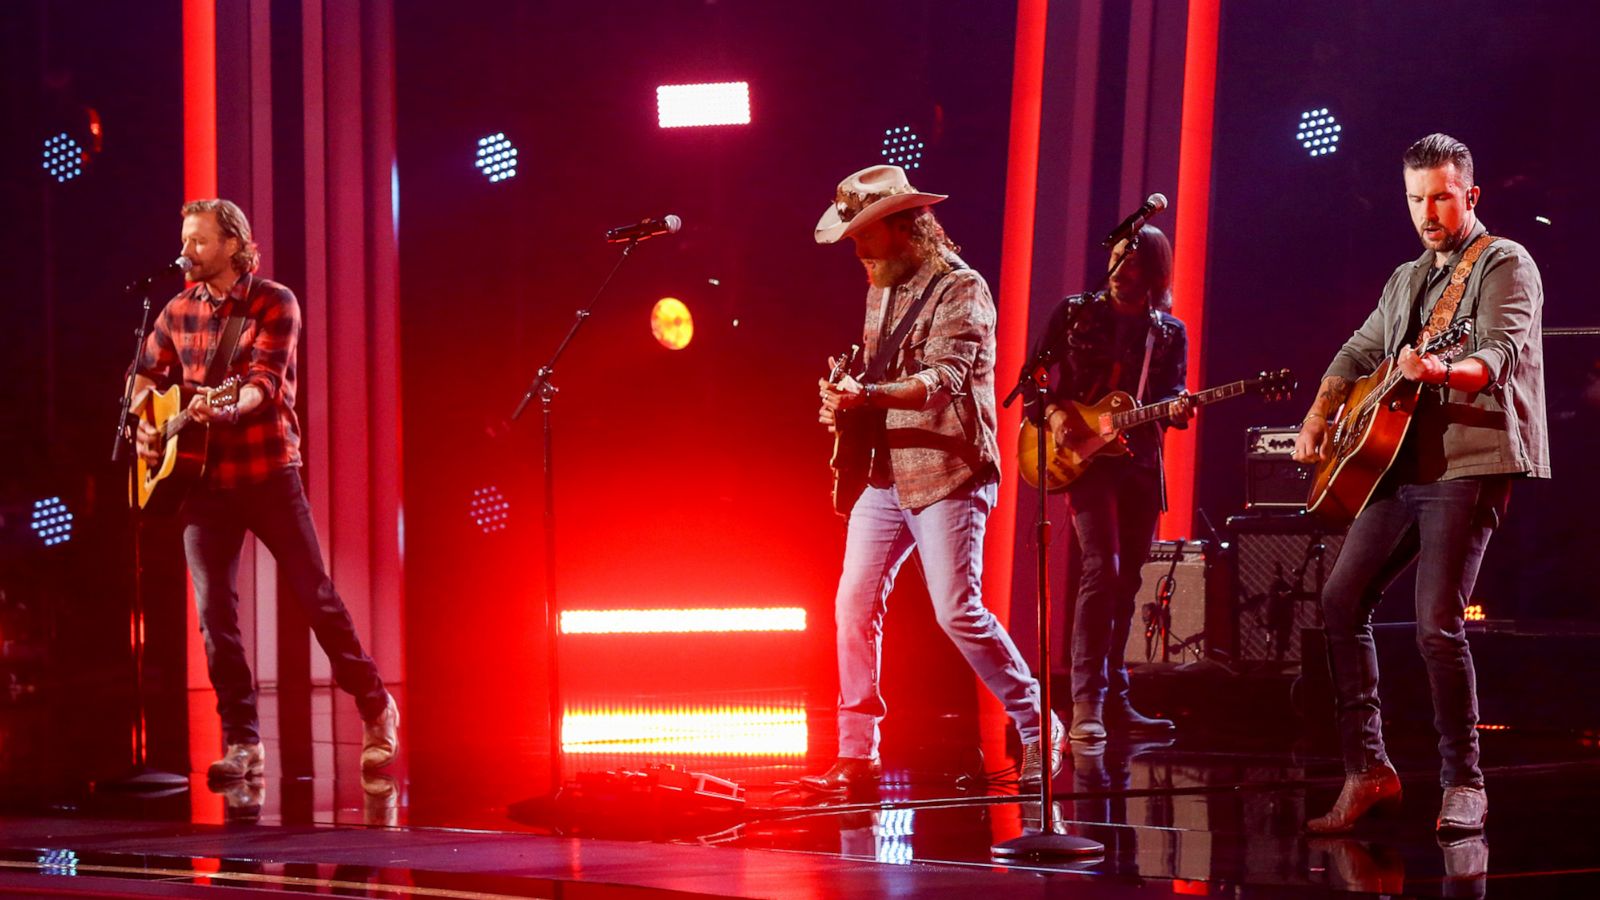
pixel 160 487
pixel 1099 430
pixel 1368 432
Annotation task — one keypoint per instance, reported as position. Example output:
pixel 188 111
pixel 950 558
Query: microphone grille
pixel 673 223
pixel 1157 201
pixel 183 263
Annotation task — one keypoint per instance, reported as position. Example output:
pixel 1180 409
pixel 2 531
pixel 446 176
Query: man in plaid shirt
pixel 252 478
pixel 934 471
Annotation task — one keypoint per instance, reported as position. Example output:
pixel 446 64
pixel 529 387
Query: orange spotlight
pixel 671 323
pixel 1475 613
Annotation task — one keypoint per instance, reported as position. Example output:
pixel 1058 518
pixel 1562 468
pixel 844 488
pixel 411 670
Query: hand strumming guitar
pixel 148 442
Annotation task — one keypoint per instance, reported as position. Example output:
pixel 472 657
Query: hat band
pixel 849 204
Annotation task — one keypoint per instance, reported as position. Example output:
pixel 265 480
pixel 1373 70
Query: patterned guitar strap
pixel 1445 310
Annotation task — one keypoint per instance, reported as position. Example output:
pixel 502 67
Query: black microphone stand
pixel 141 777
pixel 545 389
pixel 1048 843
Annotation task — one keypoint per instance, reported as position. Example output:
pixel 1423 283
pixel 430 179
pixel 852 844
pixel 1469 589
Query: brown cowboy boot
pixel 1378 786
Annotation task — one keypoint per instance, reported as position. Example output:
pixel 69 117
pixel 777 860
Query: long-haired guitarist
pixel 251 481
pixel 1123 341
pixel 932 463
pixel 1478 422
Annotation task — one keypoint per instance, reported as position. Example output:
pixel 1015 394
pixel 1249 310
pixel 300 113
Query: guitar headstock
pixel 224 396
pixel 1275 385
pixel 843 364
pixel 1449 343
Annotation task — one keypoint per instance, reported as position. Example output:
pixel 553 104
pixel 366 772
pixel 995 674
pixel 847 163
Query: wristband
pixel 1446 383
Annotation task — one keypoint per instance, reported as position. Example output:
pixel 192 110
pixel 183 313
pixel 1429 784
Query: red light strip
pixel 682 621
pixel 1189 255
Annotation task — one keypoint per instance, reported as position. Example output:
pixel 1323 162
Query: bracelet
pixel 1310 416
pixel 1446 383
pixel 868 391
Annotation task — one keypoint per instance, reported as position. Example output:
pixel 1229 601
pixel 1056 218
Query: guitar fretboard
pixel 1124 420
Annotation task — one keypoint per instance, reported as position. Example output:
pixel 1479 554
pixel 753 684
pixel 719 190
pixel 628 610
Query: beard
pixel 882 273
pixel 1446 242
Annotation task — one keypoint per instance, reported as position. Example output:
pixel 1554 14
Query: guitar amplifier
pixel 1281 563
pixel 1273 480
pixel 1182 589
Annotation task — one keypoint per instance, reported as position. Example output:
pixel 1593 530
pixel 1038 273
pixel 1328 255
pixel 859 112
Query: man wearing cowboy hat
pixel 934 467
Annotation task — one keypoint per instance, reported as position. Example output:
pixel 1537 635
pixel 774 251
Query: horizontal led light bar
pixel 725 731
pixel 696 105
pixel 680 621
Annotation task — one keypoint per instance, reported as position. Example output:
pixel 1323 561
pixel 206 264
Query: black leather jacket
pixel 1082 335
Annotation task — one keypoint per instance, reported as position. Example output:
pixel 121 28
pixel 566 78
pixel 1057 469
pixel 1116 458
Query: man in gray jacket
pixel 1480 423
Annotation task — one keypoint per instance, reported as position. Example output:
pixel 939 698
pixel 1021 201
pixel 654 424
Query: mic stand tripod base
pixel 1038 845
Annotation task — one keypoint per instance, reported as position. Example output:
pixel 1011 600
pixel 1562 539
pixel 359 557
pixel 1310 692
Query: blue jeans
pixel 1445 527
pixel 277 512
pixel 948 536
pixel 1114 508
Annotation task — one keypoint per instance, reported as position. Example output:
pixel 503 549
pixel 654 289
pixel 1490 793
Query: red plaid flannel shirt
pixel 177 349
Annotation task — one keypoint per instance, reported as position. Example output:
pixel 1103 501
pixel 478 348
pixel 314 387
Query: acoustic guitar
pixel 160 487
pixel 1100 430
pixel 1368 431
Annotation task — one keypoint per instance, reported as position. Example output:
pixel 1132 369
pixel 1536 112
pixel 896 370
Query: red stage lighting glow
pixel 697 105
pixel 710 731
pixel 671 323
pixel 682 621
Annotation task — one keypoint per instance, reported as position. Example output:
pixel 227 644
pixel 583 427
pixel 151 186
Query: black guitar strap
pixel 227 348
pixel 891 347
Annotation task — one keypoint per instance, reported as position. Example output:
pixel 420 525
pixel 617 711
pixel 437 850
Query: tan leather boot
pixel 1378 786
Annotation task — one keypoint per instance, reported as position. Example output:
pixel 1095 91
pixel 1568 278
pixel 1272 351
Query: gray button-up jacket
pixel 1501 429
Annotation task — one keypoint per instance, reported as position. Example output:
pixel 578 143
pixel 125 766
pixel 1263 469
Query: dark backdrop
pixel 1302 246
pixel 689 478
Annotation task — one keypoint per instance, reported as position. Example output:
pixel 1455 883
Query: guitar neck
pixel 1143 414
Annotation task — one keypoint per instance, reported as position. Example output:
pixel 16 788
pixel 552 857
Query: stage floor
pixel 1216 811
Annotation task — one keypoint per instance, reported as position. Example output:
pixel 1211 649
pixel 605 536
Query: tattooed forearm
pixel 1330 396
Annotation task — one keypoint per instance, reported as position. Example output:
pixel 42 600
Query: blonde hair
pixel 927 235
pixel 231 220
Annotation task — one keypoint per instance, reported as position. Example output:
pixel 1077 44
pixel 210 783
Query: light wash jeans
pixel 949 537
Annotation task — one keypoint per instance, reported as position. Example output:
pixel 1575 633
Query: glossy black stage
pixel 1216 811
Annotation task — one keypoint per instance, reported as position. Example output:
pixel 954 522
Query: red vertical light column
pixel 1016 288
pixel 1189 254
pixel 199 140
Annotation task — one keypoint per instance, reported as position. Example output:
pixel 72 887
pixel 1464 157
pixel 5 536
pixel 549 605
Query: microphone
pixel 181 264
pixel 644 230
pixel 1153 204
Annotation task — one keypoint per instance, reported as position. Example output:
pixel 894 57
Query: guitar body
pixel 1090 435
pixel 1099 431
pixel 1364 446
pixel 161 488
pixel 852 456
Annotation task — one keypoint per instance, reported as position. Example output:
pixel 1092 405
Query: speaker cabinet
pixel 1280 565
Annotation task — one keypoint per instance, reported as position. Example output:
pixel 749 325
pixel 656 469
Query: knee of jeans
pixel 1099 569
pixel 1434 642
pixel 963 617
pixel 853 618
pixel 1343 611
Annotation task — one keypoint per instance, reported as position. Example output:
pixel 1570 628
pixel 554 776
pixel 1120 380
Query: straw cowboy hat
pixel 866 197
